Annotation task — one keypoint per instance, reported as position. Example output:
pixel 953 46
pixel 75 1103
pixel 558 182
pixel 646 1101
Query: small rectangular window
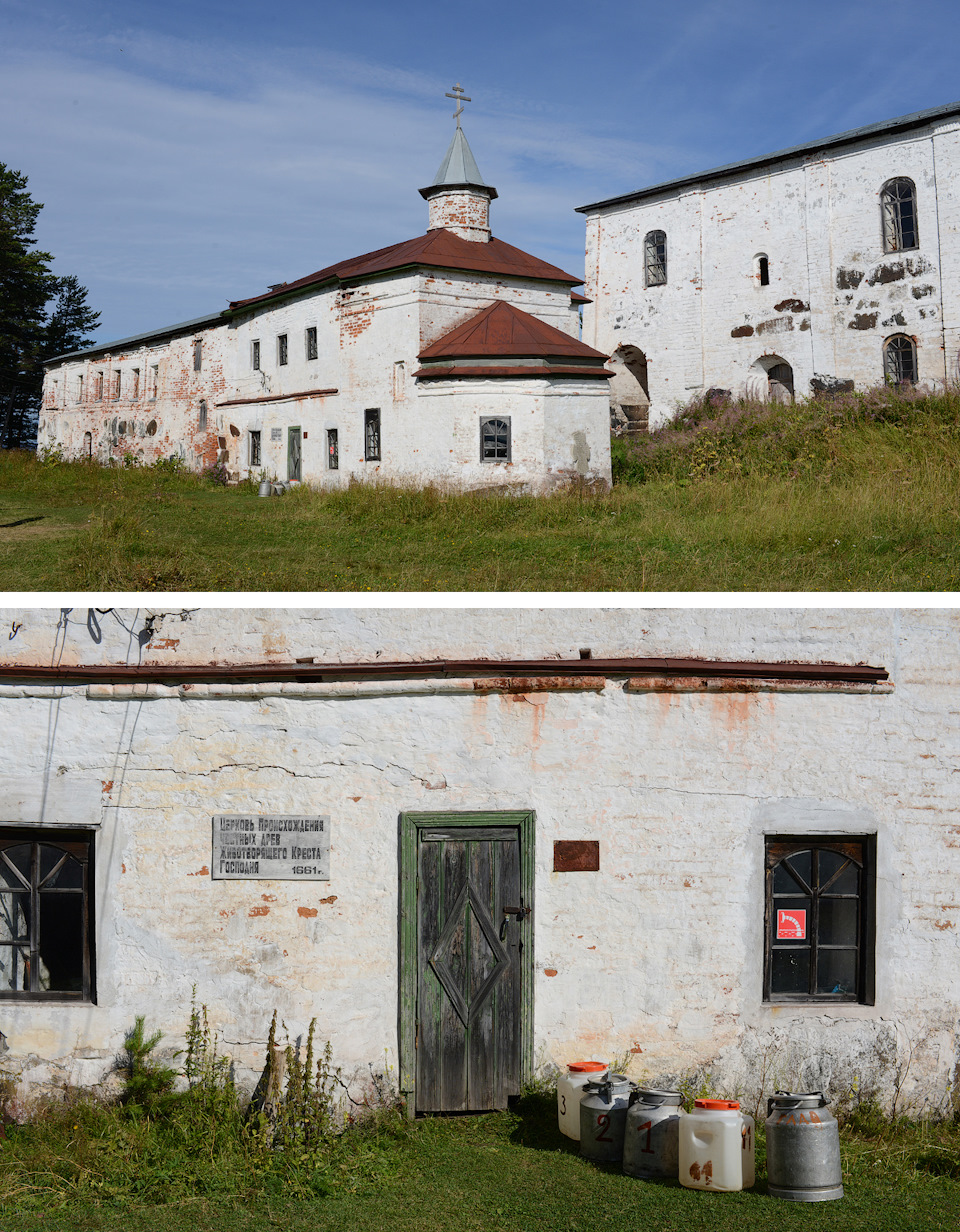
pixel 282 349
pixel 116 384
pixel 311 342
pixel 135 388
pixel 255 449
pixel 371 435
pixel 198 354
pixel 333 450
pixel 98 387
pixel 154 380
pixel 255 355
pixel 764 265
pixel 46 909
pixel 495 440
pixel 819 919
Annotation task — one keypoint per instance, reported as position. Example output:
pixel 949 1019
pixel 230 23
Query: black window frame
pixel 372 443
pixel 894 370
pixel 763 270
pixel 493 457
pixel 283 351
pixel 255 355
pixel 198 354
pixel 310 342
pixel 333 449
pixel 860 850
pixel 655 259
pixel 899 228
pixel 256 448
pixel 78 844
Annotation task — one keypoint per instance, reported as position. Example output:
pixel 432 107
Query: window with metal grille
pixel 203 414
pixel 333 450
pixel 819 919
pixel 255 449
pixel 898 214
pixel 900 360
pixel 282 349
pixel 255 355
pixel 46 926
pixel 198 354
pixel 371 435
pixel 311 342
pixel 655 259
pixel 495 440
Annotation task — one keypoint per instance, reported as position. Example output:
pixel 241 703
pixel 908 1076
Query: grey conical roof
pixel 459 166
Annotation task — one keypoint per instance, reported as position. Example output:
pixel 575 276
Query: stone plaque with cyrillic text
pixel 280 848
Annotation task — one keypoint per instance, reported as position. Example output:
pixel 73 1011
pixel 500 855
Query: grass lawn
pixel 509 1172
pixel 887 518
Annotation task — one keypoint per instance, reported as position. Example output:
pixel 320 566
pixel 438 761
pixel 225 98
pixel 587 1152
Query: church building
pixel 452 358
pixel 830 265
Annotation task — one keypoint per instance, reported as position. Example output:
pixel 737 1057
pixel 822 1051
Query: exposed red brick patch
pixel 356 799
pixel 551 971
pixel 123 868
pixel 258 911
pixel 269 898
pixel 107 786
pixel 201 872
pixel 165 643
pixel 942 924
pixel 307 912
pixel 331 899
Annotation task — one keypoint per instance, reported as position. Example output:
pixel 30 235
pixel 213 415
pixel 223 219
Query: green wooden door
pixel 471 964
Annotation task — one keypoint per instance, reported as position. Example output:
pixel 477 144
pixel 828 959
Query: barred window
pixel 495 440
pixel 655 259
pixel 282 349
pixel 371 435
pixel 311 342
pixel 900 360
pixel 898 213
pixel 46 933
pixel 333 450
pixel 819 919
pixel 255 449
pixel 255 355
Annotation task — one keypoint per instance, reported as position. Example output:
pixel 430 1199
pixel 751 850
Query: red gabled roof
pixel 439 249
pixel 501 330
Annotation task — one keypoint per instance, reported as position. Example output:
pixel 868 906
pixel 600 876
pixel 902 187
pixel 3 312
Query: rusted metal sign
pixel 280 848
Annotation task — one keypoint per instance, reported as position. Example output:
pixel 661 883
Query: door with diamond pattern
pixel 468 1042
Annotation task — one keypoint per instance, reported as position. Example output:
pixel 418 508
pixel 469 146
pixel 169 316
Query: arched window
pixel 900 360
pixel 898 214
pixel 761 263
pixel 87 445
pixel 655 259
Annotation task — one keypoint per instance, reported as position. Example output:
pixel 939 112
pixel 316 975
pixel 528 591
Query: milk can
pixel 803 1148
pixel 652 1135
pixel 717 1147
pixel 603 1115
pixel 570 1090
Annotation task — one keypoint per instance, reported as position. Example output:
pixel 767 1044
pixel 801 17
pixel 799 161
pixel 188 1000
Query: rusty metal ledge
pixel 743 684
pixel 304 393
pixel 307 672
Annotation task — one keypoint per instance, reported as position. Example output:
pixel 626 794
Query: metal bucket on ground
pixel 651 1140
pixel 803 1148
pixel 266 488
pixel 603 1117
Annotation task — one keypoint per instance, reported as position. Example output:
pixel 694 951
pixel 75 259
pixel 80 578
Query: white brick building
pixel 716 848
pixel 830 263
pixel 383 367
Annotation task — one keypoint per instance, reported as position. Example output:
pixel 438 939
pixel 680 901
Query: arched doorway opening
pixel 629 391
pixel 771 380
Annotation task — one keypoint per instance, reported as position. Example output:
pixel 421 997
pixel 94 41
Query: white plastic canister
pixel 717 1147
pixel 569 1091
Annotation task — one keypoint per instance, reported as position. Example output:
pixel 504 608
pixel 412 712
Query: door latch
pixel 518 913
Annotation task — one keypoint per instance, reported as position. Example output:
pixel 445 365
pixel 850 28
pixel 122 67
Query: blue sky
pixel 192 153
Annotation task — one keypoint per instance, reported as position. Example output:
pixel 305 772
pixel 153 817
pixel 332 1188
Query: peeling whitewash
pixel 659 953
pixel 834 295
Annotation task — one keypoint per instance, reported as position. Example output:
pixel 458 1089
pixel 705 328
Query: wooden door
pixel 469 967
pixel 293 454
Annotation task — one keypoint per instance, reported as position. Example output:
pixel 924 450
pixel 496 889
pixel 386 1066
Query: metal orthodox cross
pixel 461 98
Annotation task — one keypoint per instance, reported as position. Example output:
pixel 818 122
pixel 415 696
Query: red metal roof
pixel 537 372
pixel 503 329
pixel 439 249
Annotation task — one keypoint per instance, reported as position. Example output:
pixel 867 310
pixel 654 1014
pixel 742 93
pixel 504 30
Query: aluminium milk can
pixel 603 1116
pixel 651 1140
pixel 803 1148
pixel 717 1147
pixel 570 1091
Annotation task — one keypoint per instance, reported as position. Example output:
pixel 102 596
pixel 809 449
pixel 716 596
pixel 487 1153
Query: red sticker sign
pixel 791 925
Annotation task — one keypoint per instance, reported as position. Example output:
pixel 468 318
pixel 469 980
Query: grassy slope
pixel 831 496
pixel 515 1173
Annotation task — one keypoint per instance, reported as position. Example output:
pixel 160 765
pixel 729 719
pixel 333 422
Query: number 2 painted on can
pixel 648 1126
pixel 603 1123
